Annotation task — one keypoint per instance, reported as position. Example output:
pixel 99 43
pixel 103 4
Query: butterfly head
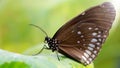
pixel 47 39
pixel 52 43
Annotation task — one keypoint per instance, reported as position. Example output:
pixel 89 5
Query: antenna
pixel 39 28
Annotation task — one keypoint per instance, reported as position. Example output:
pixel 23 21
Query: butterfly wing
pixel 82 37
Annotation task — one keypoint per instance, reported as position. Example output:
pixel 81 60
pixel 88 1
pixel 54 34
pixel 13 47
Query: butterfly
pixel 82 37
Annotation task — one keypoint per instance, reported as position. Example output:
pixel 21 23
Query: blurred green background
pixel 17 36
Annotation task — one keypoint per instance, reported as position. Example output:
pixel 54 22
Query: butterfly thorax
pixel 52 43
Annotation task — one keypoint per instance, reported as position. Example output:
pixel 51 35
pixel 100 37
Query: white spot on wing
pixel 95 52
pixel 88 52
pixel 106 31
pixel 89 28
pixel 78 32
pixel 90 59
pixel 98 43
pixel 96 28
pixel 78 41
pixel 94 40
pixel 99 32
pixel 84 44
pixel 81 36
pixel 94 34
pixel 90 48
pixel 98 48
pixel 93 56
pixel 91 45
pixel 85 54
pixel 99 36
pixel 80 48
pixel 72 31
pixel 83 13
pixel 100 39
pixel 82 61
pixel 104 36
pixel 103 40
pixel 87 62
pixel 84 58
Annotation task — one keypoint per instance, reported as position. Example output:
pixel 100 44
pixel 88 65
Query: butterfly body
pixel 82 37
pixel 52 43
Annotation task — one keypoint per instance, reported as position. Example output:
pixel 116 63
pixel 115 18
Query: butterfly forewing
pixel 82 37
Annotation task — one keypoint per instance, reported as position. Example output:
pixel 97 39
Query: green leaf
pixel 14 64
pixel 46 59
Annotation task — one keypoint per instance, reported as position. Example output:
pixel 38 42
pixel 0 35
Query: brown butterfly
pixel 82 37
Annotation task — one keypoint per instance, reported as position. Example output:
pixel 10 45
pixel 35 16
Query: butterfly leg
pixel 57 54
pixel 44 47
